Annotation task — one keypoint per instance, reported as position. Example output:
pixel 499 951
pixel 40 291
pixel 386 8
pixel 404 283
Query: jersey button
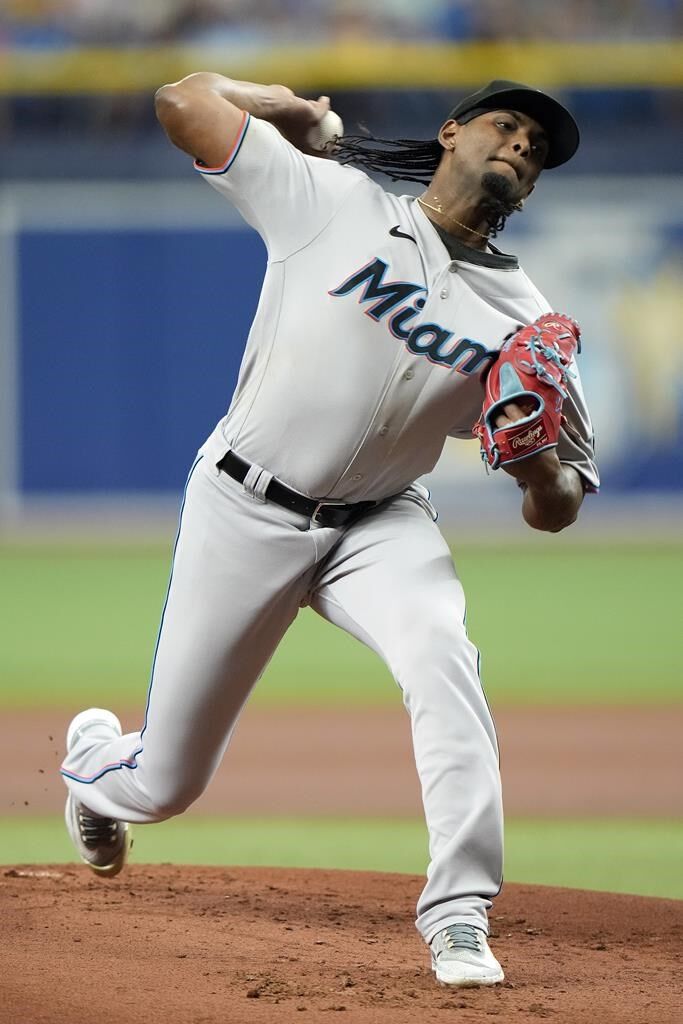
pixel 444 293
pixel 383 431
pixel 453 268
pixel 357 476
pixel 409 374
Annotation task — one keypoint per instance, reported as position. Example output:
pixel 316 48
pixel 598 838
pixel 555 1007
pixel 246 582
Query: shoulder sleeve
pixel 288 197
pixel 576 443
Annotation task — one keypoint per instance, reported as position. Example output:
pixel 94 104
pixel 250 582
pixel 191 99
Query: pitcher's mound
pixel 223 945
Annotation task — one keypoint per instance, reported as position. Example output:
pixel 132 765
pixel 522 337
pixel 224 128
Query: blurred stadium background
pixel 127 289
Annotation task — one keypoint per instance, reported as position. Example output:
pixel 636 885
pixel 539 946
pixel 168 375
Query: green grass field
pixel 79 624
pixel 619 856
pixel 79 627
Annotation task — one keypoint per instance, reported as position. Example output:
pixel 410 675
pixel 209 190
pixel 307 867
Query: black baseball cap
pixel 558 124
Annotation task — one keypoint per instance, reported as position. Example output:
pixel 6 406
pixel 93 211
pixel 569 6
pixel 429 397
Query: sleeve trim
pixel 236 146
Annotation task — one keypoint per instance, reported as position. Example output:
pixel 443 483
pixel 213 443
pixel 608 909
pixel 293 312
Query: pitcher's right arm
pixel 203 113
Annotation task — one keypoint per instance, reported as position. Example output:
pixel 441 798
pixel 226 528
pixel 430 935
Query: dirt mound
pixel 205 945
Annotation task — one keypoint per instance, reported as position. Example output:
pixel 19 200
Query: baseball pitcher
pixel 385 325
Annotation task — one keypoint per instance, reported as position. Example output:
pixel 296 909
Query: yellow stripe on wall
pixel 348 66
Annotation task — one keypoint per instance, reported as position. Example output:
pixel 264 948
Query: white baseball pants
pixel 241 570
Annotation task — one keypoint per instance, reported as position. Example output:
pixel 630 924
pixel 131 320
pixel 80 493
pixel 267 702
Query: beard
pixel 500 200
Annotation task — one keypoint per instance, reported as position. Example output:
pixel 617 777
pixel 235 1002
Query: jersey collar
pixel 438 243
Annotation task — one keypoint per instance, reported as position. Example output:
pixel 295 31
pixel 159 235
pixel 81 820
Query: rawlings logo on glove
pixel 532 370
pixel 536 435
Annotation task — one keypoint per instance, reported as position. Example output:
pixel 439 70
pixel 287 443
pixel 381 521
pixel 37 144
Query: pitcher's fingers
pixel 322 105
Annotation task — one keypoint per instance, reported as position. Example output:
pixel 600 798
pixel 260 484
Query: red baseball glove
pixel 532 369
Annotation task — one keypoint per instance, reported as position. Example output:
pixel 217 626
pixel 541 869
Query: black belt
pixel 324 513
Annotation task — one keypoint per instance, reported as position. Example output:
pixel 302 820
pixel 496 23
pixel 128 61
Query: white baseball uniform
pixel 367 350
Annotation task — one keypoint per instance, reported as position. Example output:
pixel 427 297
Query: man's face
pixel 505 143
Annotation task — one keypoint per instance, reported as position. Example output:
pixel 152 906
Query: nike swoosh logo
pixel 397 233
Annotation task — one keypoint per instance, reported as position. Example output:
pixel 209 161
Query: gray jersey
pixel 370 344
pixel 369 347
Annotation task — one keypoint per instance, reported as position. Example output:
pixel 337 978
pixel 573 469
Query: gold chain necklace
pixel 437 209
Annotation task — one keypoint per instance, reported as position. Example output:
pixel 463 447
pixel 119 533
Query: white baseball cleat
pixel 101 843
pixel 461 956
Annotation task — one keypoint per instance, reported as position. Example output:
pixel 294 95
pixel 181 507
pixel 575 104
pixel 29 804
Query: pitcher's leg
pixel 392 583
pixel 238 575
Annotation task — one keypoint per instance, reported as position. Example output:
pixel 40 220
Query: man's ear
pixel 448 133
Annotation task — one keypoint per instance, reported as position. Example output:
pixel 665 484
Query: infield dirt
pixel 556 762
pixel 229 946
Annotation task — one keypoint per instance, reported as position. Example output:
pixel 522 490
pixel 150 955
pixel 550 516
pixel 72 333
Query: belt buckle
pixel 326 504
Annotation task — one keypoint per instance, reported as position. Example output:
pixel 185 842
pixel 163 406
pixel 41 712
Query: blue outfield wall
pixel 130 343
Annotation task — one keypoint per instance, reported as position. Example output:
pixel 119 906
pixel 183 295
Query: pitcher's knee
pixel 170 797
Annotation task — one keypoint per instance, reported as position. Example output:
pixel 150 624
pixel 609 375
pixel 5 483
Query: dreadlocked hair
pixel 400 159
pixel 410 160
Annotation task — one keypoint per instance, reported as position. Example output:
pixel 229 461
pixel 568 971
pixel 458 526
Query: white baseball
pixel 322 136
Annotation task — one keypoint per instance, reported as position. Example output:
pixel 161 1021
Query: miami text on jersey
pixel 390 300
